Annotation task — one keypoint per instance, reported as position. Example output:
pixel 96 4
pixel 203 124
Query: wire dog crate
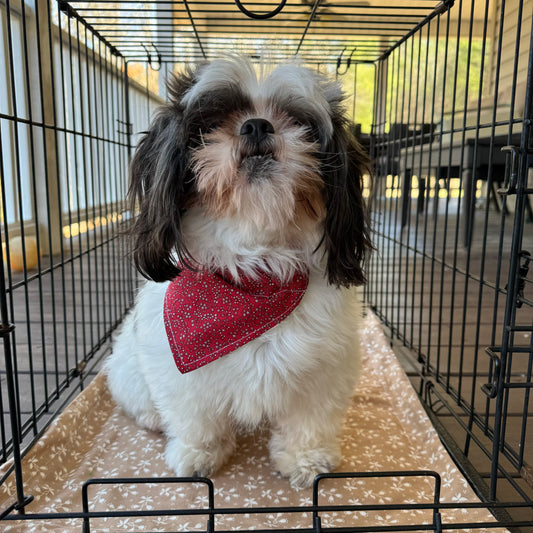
pixel 442 96
pixel 452 278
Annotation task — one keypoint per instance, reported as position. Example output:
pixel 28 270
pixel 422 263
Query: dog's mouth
pixel 258 158
pixel 257 164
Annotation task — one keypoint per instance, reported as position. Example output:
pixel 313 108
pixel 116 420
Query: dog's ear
pixel 347 231
pixel 161 187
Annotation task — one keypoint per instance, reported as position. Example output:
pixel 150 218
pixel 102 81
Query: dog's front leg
pixel 199 445
pixel 304 445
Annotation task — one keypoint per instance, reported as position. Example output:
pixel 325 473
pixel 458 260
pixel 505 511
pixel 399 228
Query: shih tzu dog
pixel 252 230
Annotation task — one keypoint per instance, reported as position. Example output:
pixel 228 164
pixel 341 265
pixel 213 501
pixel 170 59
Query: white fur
pixel 299 376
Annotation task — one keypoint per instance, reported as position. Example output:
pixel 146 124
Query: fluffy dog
pixel 252 230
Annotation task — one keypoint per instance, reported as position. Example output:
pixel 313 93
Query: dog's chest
pixel 297 359
pixel 262 378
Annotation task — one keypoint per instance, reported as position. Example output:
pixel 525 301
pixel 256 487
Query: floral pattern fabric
pixel 386 429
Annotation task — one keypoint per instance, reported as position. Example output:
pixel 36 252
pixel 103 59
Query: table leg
pixel 406 195
pixel 421 194
pixel 467 210
pixel 436 172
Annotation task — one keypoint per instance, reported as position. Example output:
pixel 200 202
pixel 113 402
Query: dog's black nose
pixel 257 129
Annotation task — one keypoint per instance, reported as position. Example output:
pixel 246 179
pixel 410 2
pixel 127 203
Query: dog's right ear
pixel 161 187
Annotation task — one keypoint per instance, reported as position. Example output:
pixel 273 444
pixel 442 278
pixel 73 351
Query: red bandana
pixel 207 316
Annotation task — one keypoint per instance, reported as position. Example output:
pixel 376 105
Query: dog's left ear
pixel 347 231
pixel 161 187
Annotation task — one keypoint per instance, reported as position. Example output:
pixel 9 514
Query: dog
pixel 252 230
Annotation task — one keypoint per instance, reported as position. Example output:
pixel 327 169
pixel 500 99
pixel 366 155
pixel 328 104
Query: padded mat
pixel 386 429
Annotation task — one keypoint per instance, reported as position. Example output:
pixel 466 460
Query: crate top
pixel 321 32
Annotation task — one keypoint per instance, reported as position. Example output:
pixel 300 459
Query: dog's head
pixel 273 153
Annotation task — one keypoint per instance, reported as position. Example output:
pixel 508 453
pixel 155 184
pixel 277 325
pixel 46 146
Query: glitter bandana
pixel 208 316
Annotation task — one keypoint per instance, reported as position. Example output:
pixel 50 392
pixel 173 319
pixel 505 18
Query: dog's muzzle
pixel 257 147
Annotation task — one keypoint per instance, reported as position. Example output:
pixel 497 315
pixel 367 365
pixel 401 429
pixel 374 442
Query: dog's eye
pixel 303 122
pixel 208 128
pixel 213 124
pixel 300 122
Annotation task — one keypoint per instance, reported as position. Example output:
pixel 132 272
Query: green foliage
pixel 360 102
pixel 428 80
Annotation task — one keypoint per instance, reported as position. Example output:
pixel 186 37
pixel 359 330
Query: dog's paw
pixel 150 420
pixel 194 461
pixel 302 468
pixel 303 476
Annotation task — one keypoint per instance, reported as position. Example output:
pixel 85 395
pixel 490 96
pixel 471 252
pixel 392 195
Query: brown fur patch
pixel 286 187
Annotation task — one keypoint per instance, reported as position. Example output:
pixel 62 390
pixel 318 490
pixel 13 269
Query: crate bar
pixel 490 178
pixel 515 174
pixel 67 8
pixel 442 7
pixel 195 30
pixel 516 247
pixel 6 329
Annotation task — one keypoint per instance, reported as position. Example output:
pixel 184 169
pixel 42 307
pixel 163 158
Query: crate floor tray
pixel 386 430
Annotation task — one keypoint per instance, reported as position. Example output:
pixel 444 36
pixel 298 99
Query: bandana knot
pixel 208 315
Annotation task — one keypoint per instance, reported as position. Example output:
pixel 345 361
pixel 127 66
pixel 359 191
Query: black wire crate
pixel 441 96
pixel 453 213
pixel 430 514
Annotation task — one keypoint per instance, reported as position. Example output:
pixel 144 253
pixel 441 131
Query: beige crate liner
pixel 386 429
